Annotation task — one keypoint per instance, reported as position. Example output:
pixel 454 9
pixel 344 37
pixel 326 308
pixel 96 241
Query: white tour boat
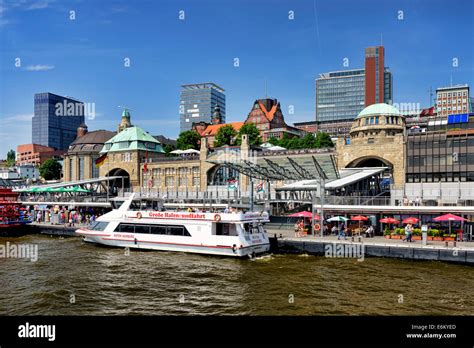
pixel 228 234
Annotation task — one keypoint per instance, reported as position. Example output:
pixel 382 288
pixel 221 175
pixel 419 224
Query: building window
pixel 81 168
pixel 71 175
pixel 95 169
pixel 169 181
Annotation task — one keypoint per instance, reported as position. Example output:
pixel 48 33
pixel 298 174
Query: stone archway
pixel 116 185
pixel 220 175
pixel 369 161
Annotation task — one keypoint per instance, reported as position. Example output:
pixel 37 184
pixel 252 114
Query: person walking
pixel 408 231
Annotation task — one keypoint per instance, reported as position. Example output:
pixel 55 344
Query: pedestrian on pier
pixel 408 233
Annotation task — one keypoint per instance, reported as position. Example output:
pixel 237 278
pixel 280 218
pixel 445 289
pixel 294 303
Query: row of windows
pixel 443 95
pixel 440 176
pixel 153 229
pixel 435 160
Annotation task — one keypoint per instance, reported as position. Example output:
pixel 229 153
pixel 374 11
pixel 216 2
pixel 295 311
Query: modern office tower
pixel 453 100
pixel 378 79
pixel 197 104
pixel 56 120
pixel 341 95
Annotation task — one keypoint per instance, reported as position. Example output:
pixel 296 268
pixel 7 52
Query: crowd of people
pixel 63 216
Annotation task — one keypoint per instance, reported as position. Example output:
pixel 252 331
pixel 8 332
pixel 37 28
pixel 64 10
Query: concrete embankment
pixel 464 255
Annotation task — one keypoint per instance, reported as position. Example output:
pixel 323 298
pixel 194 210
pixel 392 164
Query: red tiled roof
pixel 214 128
pixel 268 114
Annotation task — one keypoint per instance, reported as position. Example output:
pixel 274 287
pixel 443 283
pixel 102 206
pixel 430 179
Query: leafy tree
pixel 168 148
pixel 50 169
pixel 253 133
pixel 188 140
pixel 274 141
pixel 11 158
pixel 323 140
pixel 308 141
pixel 225 136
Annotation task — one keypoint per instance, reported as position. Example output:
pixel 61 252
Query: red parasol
pixel 449 217
pixel 359 218
pixel 304 214
pixel 411 220
pixel 389 220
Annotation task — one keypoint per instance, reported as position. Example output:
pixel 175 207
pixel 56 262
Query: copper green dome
pixel 379 109
pixel 126 113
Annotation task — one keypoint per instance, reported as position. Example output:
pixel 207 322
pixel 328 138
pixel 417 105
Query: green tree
pixel 168 148
pixel 251 130
pixel 225 136
pixel 11 158
pixel 188 140
pixel 50 169
pixel 274 141
pixel 308 141
pixel 323 140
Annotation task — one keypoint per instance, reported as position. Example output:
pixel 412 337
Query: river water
pixel 74 278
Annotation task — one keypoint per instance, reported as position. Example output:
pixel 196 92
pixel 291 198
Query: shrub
pixel 417 231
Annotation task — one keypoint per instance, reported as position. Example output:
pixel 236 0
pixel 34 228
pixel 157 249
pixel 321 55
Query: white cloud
pixel 38 5
pixel 39 67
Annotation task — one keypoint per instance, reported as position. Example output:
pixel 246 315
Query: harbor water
pixel 74 278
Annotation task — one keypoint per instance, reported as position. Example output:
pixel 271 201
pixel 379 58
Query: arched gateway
pixel 377 139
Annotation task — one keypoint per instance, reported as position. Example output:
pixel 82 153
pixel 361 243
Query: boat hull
pixel 221 250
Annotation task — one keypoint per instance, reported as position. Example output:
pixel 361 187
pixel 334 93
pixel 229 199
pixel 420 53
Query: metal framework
pixel 289 169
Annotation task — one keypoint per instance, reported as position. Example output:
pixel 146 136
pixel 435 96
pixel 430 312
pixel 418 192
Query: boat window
pixel 99 226
pixel 223 229
pixel 251 228
pixel 125 228
pixel 175 231
pixel 142 229
pixel 157 229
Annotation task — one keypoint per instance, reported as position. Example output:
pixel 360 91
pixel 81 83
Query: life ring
pixel 217 217
pixel 139 215
pixel 317 227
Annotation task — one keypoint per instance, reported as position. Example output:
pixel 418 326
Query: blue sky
pixel 84 58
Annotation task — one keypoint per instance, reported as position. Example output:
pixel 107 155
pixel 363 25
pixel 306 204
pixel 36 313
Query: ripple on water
pixel 105 281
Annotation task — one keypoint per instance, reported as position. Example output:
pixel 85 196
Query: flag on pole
pixel 233 184
pixel 260 188
pixel 100 161
pixel 145 167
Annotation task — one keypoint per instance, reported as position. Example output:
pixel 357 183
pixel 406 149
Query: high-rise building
pixel 341 95
pixel 453 100
pixel 197 104
pixel 378 79
pixel 56 120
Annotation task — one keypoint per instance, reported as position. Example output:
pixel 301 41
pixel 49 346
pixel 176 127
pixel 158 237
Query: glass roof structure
pixel 285 165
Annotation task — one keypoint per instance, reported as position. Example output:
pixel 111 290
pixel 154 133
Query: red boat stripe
pixel 146 241
pixel 184 244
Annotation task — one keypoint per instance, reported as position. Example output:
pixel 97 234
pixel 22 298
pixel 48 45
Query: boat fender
pixel 217 217
pixel 234 248
pixel 139 215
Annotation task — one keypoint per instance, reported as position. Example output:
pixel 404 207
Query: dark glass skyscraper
pixel 197 103
pixel 56 120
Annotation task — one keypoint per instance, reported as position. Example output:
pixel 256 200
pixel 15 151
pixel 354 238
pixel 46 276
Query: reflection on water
pixel 105 281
